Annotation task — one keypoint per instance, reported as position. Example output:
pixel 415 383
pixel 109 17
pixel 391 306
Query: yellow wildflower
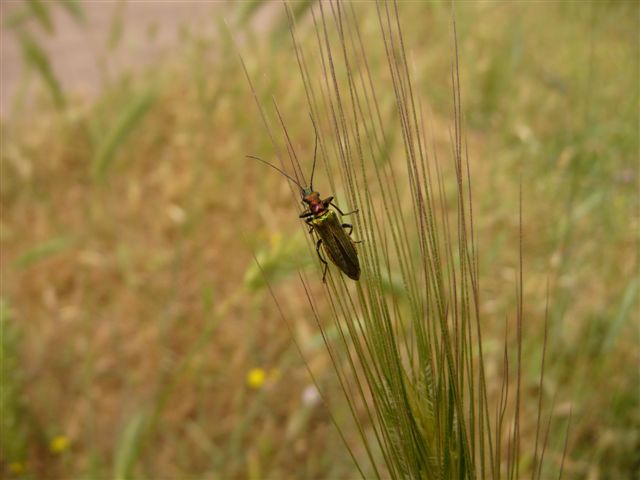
pixel 256 378
pixel 59 444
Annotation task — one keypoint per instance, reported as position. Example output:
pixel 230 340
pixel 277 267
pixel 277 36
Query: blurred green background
pixel 138 340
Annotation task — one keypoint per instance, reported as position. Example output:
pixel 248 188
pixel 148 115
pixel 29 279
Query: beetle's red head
pixel 314 201
pixel 309 196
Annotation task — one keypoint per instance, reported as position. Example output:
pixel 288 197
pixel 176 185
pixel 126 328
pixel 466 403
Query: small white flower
pixel 310 396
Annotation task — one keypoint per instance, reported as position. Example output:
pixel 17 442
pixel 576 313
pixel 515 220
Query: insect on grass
pixel 333 237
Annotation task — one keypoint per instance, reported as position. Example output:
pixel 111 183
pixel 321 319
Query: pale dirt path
pixel 75 50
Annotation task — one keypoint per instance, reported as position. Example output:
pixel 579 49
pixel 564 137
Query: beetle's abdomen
pixel 337 244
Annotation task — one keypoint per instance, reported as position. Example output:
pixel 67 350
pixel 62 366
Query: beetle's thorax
pixel 316 205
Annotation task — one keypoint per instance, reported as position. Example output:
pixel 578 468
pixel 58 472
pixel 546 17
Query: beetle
pixel 337 243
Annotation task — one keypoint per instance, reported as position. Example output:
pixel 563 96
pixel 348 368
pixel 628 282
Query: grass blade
pixel 74 7
pixel 124 125
pixel 37 58
pixel 41 13
pixel 42 251
pixel 130 446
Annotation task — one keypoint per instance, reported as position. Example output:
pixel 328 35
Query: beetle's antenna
pixel 282 172
pixel 315 151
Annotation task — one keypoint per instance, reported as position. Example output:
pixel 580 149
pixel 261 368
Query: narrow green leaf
pixel 41 13
pixel 276 260
pixel 44 250
pixel 35 56
pixel 208 297
pixel 17 18
pixel 75 9
pixel 126 122
pixel 247 9
pixel 629 299
pixel 129 446
pixel 116 28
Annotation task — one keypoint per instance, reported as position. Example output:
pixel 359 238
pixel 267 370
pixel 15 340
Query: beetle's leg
pixel 340 211
pixel 329 201
pixel 309 222
pixel 350 227
pixel 326 265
